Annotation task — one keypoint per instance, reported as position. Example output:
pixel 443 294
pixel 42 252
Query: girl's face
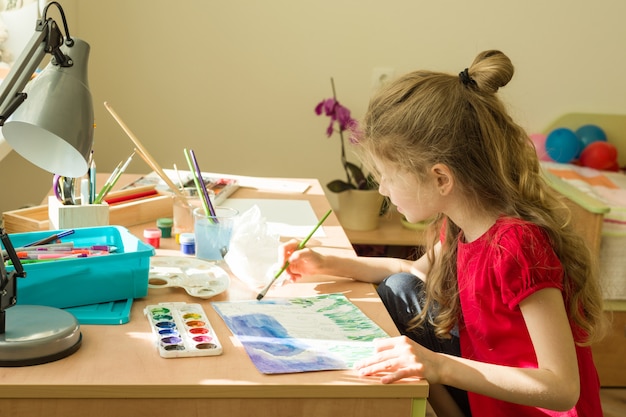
pixel 416 200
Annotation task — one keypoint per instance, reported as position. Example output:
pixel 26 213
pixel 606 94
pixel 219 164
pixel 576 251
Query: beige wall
pixel 237 81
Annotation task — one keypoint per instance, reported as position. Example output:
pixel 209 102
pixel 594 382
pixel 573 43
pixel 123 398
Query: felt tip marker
pixel 43 256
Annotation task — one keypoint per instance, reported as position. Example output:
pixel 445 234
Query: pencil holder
pixel 67 217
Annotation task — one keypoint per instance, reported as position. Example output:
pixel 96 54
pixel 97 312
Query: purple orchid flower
pixel 355 177
pixel 337 113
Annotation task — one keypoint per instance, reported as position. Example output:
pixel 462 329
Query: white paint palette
pixel 199 278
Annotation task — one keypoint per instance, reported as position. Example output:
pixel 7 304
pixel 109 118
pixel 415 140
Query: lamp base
pixel 38 334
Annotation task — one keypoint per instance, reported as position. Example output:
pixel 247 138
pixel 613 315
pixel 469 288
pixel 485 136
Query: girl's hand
pixel 397 358
pixel 301 262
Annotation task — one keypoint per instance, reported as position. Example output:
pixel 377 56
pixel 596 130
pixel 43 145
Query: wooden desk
pixel 118 372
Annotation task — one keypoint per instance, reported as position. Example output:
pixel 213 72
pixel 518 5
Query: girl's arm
pixel 368 269
pixel 554 384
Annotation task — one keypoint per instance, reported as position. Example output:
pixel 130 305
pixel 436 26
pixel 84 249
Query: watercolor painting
pixel 320 333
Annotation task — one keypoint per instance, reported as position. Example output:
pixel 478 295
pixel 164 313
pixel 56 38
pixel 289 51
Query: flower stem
pixel 343 149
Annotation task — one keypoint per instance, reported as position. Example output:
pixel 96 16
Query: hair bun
pixel 490 70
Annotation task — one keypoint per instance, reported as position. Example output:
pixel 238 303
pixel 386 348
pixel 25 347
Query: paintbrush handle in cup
pixel 143 152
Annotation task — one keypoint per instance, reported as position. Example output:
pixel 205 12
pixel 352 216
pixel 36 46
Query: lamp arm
pixel 46 39
pixel 21 72
pixel 8 284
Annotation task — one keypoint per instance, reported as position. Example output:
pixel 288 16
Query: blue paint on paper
pixel 325 332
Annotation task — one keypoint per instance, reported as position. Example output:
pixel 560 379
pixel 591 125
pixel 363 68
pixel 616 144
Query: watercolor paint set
pixel 182 330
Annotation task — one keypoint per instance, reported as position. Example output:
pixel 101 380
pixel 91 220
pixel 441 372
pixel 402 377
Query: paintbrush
pixel 300 246
pixel 143 153
pixel 200 185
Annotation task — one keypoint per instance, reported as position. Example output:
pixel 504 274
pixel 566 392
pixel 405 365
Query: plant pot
pixel 359 209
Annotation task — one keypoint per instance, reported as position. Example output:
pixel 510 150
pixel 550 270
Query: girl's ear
pixel 444 179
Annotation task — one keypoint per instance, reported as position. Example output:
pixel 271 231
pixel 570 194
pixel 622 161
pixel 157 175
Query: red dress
pixel 511 261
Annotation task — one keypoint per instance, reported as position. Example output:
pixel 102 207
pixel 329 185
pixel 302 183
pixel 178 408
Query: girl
pixel 499 313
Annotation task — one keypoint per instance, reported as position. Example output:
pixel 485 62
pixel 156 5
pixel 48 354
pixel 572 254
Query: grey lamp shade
pixel 53 128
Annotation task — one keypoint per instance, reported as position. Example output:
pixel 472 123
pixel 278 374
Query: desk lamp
pixel 51 125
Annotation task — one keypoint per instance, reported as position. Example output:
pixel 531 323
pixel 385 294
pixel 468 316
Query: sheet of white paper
pixel 291 218
pixel 268 184
pixel 265 184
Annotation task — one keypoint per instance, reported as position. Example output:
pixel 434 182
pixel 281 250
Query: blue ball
pixel 590 133
pixel 562 145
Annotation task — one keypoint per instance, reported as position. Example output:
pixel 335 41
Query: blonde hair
pixel 424 118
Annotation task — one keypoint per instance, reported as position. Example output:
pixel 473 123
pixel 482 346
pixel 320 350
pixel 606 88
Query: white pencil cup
pixel 69 217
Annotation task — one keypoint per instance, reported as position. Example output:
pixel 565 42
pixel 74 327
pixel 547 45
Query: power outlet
pixel 381 76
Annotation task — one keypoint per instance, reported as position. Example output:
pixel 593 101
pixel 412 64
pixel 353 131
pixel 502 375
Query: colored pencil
pixel 115 176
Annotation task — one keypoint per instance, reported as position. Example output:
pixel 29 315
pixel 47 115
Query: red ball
pixel 614 167
pixel 599 155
